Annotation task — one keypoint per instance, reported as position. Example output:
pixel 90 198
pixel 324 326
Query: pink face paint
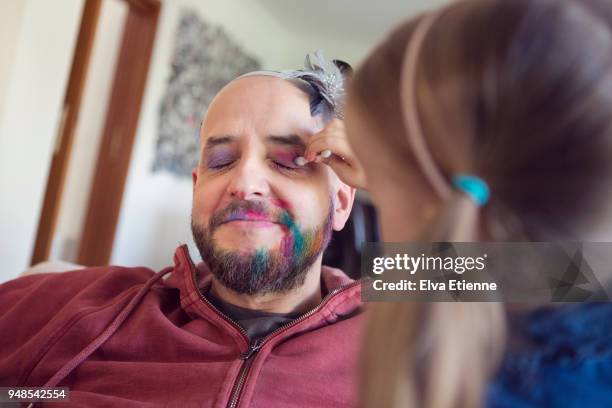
pixel 281 204
pixel 286 246
pixel 255 215
pixel 250 214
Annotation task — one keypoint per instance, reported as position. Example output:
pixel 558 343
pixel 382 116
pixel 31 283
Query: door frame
pixel 118 135
pixel 65 133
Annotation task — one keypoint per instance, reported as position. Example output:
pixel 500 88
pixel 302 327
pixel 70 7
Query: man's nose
pixel 249 180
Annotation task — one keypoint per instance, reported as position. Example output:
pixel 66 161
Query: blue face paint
pixel 260 262
pixel 294 234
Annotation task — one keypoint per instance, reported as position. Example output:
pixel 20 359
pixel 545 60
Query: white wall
pixel 11 17
pixel 156 208
pixel 29 121
pixel 88 131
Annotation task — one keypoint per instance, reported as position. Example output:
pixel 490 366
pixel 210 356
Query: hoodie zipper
pixel 249 355
pixel 254 346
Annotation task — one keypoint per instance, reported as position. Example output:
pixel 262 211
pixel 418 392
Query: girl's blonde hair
pixel 518 93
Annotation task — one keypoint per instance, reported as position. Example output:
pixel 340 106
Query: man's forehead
pixel 262 105
pixel 293 141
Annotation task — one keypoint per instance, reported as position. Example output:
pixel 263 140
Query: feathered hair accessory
pixel 327 79
pixel 322 79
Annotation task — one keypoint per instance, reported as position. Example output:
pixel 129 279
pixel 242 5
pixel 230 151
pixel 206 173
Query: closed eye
pixel 285 167
pixel 219 166
pixel 284 160
pixel 220 158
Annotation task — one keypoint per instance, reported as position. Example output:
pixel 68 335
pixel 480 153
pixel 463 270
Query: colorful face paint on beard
pixel 265 270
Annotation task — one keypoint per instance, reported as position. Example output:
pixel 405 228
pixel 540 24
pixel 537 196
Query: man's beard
pixel 263 270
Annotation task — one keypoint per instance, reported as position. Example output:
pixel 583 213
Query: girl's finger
pixel 335 145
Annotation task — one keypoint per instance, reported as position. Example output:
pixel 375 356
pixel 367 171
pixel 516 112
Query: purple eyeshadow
pixel 218 158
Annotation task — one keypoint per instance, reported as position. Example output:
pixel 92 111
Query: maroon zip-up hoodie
pixel 129 337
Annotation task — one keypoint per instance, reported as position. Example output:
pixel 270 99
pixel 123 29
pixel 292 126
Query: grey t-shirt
pixel 256 323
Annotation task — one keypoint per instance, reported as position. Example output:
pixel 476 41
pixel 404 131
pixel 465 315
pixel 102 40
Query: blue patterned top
pixel 565 360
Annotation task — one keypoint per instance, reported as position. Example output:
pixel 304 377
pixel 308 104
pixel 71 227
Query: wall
pixel 156 208
pixel 11 18
pixel 29 121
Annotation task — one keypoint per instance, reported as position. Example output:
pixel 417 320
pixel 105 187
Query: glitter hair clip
pixel 327 81
pixel 323 80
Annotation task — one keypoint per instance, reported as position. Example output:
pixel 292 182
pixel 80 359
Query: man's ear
pixel 344 196
pixel 194 177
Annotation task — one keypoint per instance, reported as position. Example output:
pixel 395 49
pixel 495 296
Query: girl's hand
pixel 331 146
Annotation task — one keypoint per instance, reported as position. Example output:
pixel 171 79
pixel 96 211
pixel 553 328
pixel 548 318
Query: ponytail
pixel 433 355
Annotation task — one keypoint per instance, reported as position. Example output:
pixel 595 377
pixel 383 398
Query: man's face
pixel 252 205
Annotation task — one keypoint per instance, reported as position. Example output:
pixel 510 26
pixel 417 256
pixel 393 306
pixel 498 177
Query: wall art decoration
pixel 205 58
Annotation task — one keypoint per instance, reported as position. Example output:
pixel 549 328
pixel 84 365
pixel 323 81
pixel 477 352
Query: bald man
pixel 259 323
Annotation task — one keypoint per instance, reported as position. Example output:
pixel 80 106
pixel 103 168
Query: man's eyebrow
pixel 218 140
pixel 287 140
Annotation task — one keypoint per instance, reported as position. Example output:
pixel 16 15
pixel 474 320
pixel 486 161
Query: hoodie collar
pixel 187 277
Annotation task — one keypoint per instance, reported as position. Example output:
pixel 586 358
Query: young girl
pixel 517 94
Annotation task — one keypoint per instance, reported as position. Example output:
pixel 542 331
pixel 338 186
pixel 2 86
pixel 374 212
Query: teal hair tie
pixel 473 186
